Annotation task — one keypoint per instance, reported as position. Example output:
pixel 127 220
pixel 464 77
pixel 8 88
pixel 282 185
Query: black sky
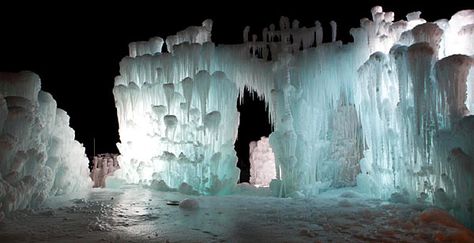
pixel 76 48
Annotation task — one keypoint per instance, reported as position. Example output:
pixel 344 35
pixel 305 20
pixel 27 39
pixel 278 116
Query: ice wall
pixel 177 114
pixel 414 98
pixel 39 157
pixel 262 163
pixel 388 112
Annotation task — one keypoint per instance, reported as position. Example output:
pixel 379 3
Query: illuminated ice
pixel 262 163
pixel 388 112
pixel 103 165
pixel 39 157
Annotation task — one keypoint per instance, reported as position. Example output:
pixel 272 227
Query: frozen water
pixel 388 112
pixel 154 45
pixel 39 157
pixel 103 165
pixel 189 204
pixel 262 163
pixel 193 34
pixel 139 215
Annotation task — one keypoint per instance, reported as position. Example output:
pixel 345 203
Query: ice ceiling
pixel 389 112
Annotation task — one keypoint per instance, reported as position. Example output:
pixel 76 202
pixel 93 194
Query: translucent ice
pixel 39 157
pixel 388 112
pixel 153 46
pixel 262 163
pixel 103 165
pixel 193 34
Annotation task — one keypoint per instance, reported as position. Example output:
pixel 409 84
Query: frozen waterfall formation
pixel 388 112
pixel 39 157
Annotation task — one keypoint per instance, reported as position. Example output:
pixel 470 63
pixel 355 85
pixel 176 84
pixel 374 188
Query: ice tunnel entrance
pixel 254 124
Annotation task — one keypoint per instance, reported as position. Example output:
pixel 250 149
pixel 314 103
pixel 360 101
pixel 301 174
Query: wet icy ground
pixel 137 214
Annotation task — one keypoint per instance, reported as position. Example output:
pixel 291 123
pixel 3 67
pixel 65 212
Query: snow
pixel 39 157
pixel 137 214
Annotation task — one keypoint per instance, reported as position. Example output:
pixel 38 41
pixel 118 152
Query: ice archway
pixel 387 112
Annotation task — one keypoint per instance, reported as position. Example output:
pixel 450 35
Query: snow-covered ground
pixel 137 214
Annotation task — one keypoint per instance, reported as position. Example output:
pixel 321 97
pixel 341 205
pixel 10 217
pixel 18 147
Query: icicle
pixel 319 33
pixel 246 33
pixel 187 85
pixel 376 105
pixel 333 30
pixel 203 82
pixel 169 94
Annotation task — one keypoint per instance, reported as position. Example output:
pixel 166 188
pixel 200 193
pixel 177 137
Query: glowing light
pixel 262 163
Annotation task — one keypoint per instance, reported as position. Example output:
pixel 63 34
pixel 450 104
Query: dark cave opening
pixel 254 123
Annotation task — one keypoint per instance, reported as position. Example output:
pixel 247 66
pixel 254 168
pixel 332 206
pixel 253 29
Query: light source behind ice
pixel 262 163
pixel 39 157
pixel 103 165
pixel 387 112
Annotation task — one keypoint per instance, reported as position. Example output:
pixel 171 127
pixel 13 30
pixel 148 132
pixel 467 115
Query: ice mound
pixel 39 157
pixel 189 204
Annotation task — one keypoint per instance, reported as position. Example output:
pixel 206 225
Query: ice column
pixel 388 112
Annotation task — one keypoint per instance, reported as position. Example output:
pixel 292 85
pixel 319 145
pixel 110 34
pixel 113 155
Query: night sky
pixel 76 49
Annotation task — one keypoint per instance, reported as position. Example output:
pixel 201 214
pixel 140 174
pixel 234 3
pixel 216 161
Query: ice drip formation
pixel 389 113
pixel 39 157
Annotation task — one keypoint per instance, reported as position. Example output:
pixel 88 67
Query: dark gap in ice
pixel 254 123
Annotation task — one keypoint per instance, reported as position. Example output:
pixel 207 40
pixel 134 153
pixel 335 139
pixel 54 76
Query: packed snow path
pixel 138 214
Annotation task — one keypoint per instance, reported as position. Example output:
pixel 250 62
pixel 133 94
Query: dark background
pixel 76 48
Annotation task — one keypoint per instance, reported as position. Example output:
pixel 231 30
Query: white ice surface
pixel 262 163
pixel 136 214
pixel 39 157
pixel 384 112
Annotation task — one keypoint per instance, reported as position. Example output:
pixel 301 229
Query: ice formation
pixel 39 157
pixel 262 163
pixel 103 165
pixel 388 112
